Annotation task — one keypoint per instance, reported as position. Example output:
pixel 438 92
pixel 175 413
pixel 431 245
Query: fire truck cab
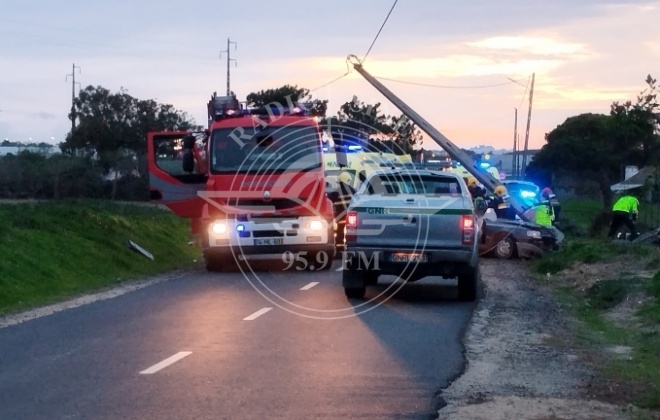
pixel 252 184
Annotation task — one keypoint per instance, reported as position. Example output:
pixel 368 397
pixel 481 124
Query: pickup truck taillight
pixel 351 219
pixel 467 222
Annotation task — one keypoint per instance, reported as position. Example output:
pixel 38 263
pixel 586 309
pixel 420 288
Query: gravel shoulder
pixel 521 362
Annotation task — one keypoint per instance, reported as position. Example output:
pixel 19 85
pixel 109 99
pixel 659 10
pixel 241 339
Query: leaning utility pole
pixel 529 119
pixel 73 94
pixel 229 60
pixel 514 160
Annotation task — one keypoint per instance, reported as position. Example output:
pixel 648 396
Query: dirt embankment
pixel 521 360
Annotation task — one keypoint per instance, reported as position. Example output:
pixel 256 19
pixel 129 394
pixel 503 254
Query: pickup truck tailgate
pixel 411 222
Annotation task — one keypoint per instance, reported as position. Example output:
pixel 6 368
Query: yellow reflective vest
pixel 543 214
pixel 627 203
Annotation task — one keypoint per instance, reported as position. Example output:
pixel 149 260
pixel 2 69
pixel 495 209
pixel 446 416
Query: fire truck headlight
pixel 219 228
pixel 315 225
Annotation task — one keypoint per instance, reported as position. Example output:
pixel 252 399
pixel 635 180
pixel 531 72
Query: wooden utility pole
pixel 514 160
pixel 529 119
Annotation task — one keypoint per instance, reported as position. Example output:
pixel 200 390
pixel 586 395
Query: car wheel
pixel 505 248
pixel 355 292
pixel 467 285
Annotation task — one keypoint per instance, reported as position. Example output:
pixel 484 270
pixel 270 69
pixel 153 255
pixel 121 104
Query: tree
pixel 113 122
pixel 637 126
pixel 596 146
pixel 407 135
pixel 583 146
pixel 288 96
pixel 358 122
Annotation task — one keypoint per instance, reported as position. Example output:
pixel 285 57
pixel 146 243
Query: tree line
pixel 104 156
pixel 109 139
pixel 598 147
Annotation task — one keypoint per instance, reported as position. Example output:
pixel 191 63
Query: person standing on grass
pixel 625 212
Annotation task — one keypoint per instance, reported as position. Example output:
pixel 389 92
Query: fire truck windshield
pixel 270 150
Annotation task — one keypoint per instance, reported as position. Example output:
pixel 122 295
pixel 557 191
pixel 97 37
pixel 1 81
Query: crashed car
pixel 507 239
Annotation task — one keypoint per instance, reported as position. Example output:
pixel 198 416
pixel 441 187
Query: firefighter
pixel 624 212
pixel 500 203
pixel 346 190
pixel 475 190
pixel 341 198
pixel 548 195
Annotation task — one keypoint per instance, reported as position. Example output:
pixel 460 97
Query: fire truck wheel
pixel 319 261
pixel 214 264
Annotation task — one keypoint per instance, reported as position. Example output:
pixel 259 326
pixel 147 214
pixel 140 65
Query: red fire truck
pixel 252 184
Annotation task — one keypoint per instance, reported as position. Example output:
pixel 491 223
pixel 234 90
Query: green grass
pixel 54 250
pixel 584 223
pixel 580 212
pixel 641 371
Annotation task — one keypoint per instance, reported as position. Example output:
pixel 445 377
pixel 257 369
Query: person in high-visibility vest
pixel 625 212
pixel 543 213
pixel 550 196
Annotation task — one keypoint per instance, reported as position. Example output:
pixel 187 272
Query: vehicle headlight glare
pixel 219 228
pixel 315 225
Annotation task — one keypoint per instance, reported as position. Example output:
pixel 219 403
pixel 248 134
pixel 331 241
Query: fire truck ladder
pixel 485 178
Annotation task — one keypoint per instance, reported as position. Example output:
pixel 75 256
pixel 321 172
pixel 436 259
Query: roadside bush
pixel 607 294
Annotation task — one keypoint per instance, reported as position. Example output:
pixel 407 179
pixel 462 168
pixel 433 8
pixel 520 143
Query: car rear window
pixel 413 184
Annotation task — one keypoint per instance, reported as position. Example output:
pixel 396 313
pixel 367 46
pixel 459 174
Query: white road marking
pixel 165 363
pixel 309 286
pixel 257 314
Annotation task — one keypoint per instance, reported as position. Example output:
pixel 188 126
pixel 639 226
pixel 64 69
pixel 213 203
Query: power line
pixel 449 86
pixel 377 34
pixel 330 82
pixel 524 94
pixel 348 70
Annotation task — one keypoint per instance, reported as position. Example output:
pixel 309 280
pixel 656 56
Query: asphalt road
pixel 206 346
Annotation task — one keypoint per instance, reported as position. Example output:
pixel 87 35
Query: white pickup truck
pixel 411 224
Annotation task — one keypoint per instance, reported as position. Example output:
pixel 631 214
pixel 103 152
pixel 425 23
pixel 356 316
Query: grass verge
pixel 51 251
pixel 619 316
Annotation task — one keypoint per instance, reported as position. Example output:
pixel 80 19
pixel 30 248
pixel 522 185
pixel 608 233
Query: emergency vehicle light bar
pixel 277 110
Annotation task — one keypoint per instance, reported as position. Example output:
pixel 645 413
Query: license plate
pixel 403 257
pixel 269 241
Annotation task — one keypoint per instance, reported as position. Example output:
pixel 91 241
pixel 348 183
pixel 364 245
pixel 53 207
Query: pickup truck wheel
pixel 467 285
pixel 355 292
pixel 354 284
pixel 371 279
pixel 505 248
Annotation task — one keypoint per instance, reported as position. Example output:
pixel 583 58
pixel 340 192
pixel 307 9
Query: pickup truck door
pixel 169 184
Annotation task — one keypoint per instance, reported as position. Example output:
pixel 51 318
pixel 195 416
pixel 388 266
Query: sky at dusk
pixel 453 63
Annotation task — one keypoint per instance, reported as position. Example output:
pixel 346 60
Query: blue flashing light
pixel 527 194
pixel 240 228
pixel 484 165
pixel 354 147
pixel 326 149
